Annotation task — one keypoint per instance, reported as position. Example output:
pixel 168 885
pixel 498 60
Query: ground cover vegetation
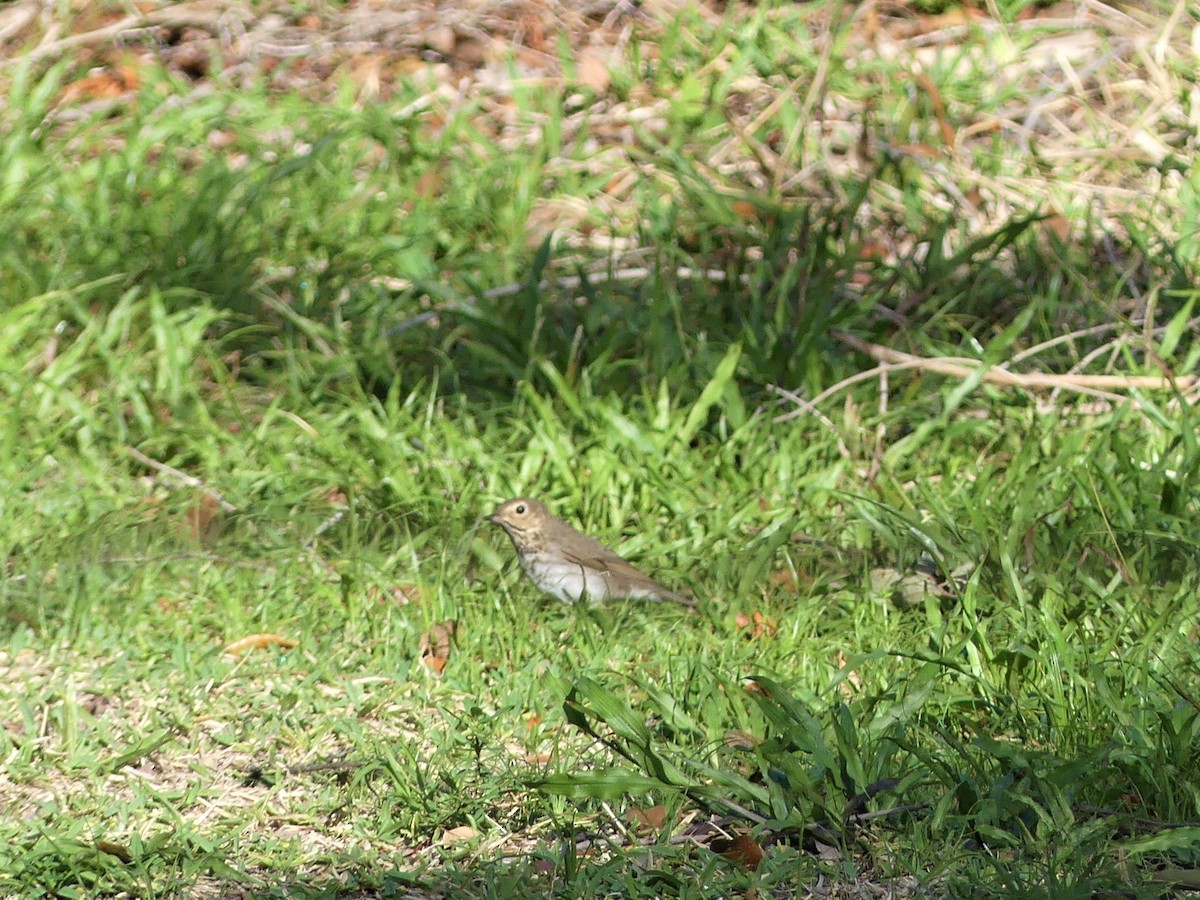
pixel 871 326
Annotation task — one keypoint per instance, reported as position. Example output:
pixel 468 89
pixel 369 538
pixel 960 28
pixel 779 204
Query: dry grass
pixel 1082 101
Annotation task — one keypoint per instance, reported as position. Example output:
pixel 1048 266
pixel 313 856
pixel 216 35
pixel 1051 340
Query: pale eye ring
pixel 520 510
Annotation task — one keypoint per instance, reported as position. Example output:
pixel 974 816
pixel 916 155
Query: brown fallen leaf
pixel 853 681
pixel 169 606
pixel 742 850
pixel 109 84
pixel 401 594
pixel 747 212
pixel 335 496
pixel 741 740
pixel 649 818
pixel 429 185
pixel 435 646
pixel 258 642
pixel 757 625
pixel 200 519
pixel 786 579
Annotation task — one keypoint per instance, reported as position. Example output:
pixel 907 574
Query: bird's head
pixel 523 519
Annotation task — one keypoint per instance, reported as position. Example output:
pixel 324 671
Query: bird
pixel 569 564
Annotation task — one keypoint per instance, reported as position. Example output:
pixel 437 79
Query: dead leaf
pixel 742 850
pixel 828 852
pixel 97 704
pixel 786 579
pixel 120 851
pixel 335 496
pixel 746 212
pixel 258 642
pixel 757 625
pixel 741 740
pixel 200 519
pixel 853 681
pixel 592 69
pixel 435 646
pixel 109 84
pixel 1057 225
pixel 458 835
pixel 440 39
pixel 366 72
pixel 429 184
pixel 650 818
pixel 534 32
pixel 470 53
pixel 400 594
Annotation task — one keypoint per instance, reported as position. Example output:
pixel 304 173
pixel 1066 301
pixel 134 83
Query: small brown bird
pixel 569 564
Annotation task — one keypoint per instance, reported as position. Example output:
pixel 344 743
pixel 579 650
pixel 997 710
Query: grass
pixel 270 355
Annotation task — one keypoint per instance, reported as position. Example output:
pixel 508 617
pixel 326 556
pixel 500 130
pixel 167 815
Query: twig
pixel 620 826
pixel 182 477
pixel 890 811
pixel 807 406
pixel 966 369
pixel 881 428
pixel 843 384
pixel 1138 821
pixel 177 16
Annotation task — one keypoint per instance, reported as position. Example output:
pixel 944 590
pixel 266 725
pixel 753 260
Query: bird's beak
pixel 492 518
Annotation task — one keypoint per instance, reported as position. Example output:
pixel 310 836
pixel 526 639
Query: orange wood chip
pixel 259 642
pixel 435 646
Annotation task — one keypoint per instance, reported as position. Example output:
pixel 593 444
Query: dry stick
pixel 1070 336
pixel 720 154
pixel 807 406
pixel 192 482
pixel 842 385
pixel 182 477
pixel 1112 348
pixel 20 18
pixel 815 89
pixel 995 375
pixel 616 820
pixel 1145 824
pixel 881 428
pixel 176 18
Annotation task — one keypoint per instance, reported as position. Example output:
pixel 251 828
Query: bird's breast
pixel 569 582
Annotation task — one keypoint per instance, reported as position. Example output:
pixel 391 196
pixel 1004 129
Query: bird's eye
pixel 520 510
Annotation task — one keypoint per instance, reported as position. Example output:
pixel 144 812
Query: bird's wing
pixel 602 559
pixel 593 554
